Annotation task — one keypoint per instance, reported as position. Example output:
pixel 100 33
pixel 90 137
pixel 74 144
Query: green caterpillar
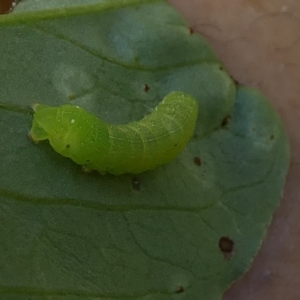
pixel 117 149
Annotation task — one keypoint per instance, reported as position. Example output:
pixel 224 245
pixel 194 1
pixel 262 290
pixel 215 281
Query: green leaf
pixel 184 231
pixel 40 5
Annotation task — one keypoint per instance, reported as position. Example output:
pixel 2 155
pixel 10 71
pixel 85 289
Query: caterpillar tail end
pixel 37 106
pixel 32 137
pixel 37 133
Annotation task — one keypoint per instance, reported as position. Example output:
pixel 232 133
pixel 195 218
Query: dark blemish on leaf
pixel 135 183
pixel 221 68
pixel 7 6
pixel 146 88
pixel 226 245
pixel 87 160
pixel 180 290
pixel 191 30
pixel 235 81
pixel 68 146
pixel 71 97
pixel 272 137
pixel 175 145
pixel 197 161
pixel 226 121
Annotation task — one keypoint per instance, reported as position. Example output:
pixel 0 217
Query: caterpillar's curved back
pixel 132 148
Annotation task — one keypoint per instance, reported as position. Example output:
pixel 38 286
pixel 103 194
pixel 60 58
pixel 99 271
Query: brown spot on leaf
pixel 6 6
pixel 226 245
pixel 197 161
pixel 235 81
pixel 191 30
pixel 146 88
pixel 226 121
pixel 272 137
pixel 68 146
pixel 180 290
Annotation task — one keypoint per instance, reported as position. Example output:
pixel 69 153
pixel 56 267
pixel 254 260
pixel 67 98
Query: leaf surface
pixel 66 234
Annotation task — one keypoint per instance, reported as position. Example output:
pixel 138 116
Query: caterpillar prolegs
pixel 117 149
